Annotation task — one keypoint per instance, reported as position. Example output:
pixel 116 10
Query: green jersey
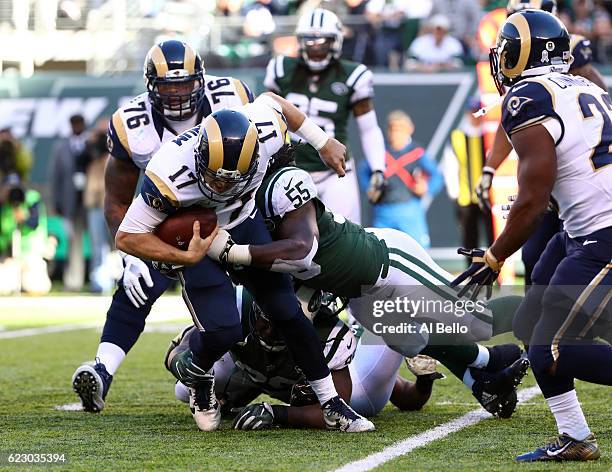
pixel 327 97
pixel 275 372
pixel 347 257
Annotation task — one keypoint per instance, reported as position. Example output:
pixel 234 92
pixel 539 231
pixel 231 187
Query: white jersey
pixel 136 131
pixel 578 115
pixel 170 178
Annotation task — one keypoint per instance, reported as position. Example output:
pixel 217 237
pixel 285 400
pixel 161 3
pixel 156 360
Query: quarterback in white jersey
pixel 179 96
pixel 561 128
pixel 220 164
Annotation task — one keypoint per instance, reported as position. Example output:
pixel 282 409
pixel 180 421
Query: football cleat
pixel 502 356
pixel 564 448
pixel 91 384
pixel 497 392
pixel 204 406
pixel 339 416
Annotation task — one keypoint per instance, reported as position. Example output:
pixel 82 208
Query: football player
pixel 178 96
pixel 581 64
pixel 561 128
pixel 324 250
pixel 220 164
pixel 328 89
pixel 365 375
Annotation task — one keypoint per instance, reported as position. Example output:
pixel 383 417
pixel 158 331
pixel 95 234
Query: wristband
pixel 312 134
pixel 239 254
pixel 492 261
pixel 488 170
pixel 281 414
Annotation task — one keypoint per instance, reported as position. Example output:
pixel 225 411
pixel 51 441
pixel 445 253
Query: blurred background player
pixel 581 64
pixel 561 128
pixel 178 97
pixel 412 181
pixel 328 89
pixel 462 165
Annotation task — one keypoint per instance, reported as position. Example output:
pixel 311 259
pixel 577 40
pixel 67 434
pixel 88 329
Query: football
pixel 177 229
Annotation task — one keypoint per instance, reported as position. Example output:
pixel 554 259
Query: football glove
pixel 169 270
pixel 133 270
pixel 483 189
pixel 255 416
pixel 302 394
pixel 482 272
pixel 377 186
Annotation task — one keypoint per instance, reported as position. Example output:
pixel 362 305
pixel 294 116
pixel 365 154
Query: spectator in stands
pixel 436 50
pixel 387 18
pixel 462 166
pixel 15 153
pixel 23 239
pixel 95 157
pixel 592 21
pixel 413 179
pixel 67 185
pixel 466 15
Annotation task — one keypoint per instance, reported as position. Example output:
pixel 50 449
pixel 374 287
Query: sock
pixel 467 379
pixel 111 356
pixel 482 359
pixel 569 416
pixel 324 389
pixel 503 309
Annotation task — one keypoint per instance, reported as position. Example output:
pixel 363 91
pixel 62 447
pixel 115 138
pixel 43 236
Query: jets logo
pixel 339 88
pixel 515 104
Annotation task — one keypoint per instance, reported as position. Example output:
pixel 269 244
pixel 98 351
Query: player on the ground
pixel 325 251
pixel 220 164
pixel 581 64
pixel 365 375
pixel 179 95
pixel 328 89
pixel 561 128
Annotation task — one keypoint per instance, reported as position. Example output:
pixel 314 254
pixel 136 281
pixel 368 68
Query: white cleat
pixel 204 406
pixel 341 417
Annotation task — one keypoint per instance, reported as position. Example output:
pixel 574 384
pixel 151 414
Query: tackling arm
pixel 536 177
pixel 120 180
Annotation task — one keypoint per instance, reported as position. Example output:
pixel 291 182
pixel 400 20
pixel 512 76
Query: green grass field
pixel 144 427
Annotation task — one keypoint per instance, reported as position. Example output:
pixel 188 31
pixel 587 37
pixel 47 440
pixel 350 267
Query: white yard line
pixel 413 442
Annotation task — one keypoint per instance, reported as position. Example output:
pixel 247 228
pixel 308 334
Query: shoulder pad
pixel 156 193
pixel 580 48
pixel 226 92
pixel 340 346
pixel 528 103
pixel 360 83
pixel 288 189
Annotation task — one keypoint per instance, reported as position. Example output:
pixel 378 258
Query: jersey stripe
pixel 337 340
pixel 282 124
pixel 247 151
pixel 270 190
pixel 121 133
pixel 356 74
pixel 279 69
pixel 240 90
pixel 421 264
pixel 163 188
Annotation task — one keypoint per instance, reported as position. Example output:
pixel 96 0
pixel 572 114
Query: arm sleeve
pixel 141 218
pixel 372 140
pixel 527 104
pixel 274 71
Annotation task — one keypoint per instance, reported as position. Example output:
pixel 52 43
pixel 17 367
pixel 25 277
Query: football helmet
pixel 517 5
pixel 226 155
pixel 319 35
pixel 530 43
pixel 174 76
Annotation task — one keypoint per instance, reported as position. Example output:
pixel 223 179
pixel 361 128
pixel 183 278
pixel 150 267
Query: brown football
pixel 177 229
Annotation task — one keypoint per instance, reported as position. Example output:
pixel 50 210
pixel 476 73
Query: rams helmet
pixel 174 76
pixel 517 5
pixel 319 34
pixel 530 43
pixel 226 155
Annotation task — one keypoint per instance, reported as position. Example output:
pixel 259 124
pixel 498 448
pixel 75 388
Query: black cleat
pixel 502 356
pixel 497 392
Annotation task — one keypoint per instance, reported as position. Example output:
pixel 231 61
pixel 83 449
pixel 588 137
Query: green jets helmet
pixel 530 43
pixel 319 35
pixel 226 155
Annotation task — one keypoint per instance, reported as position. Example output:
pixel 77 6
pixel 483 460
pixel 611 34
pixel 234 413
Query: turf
pixel 143 426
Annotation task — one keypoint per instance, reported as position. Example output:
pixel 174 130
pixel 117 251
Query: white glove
pixel 134 269
pixel 223 249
